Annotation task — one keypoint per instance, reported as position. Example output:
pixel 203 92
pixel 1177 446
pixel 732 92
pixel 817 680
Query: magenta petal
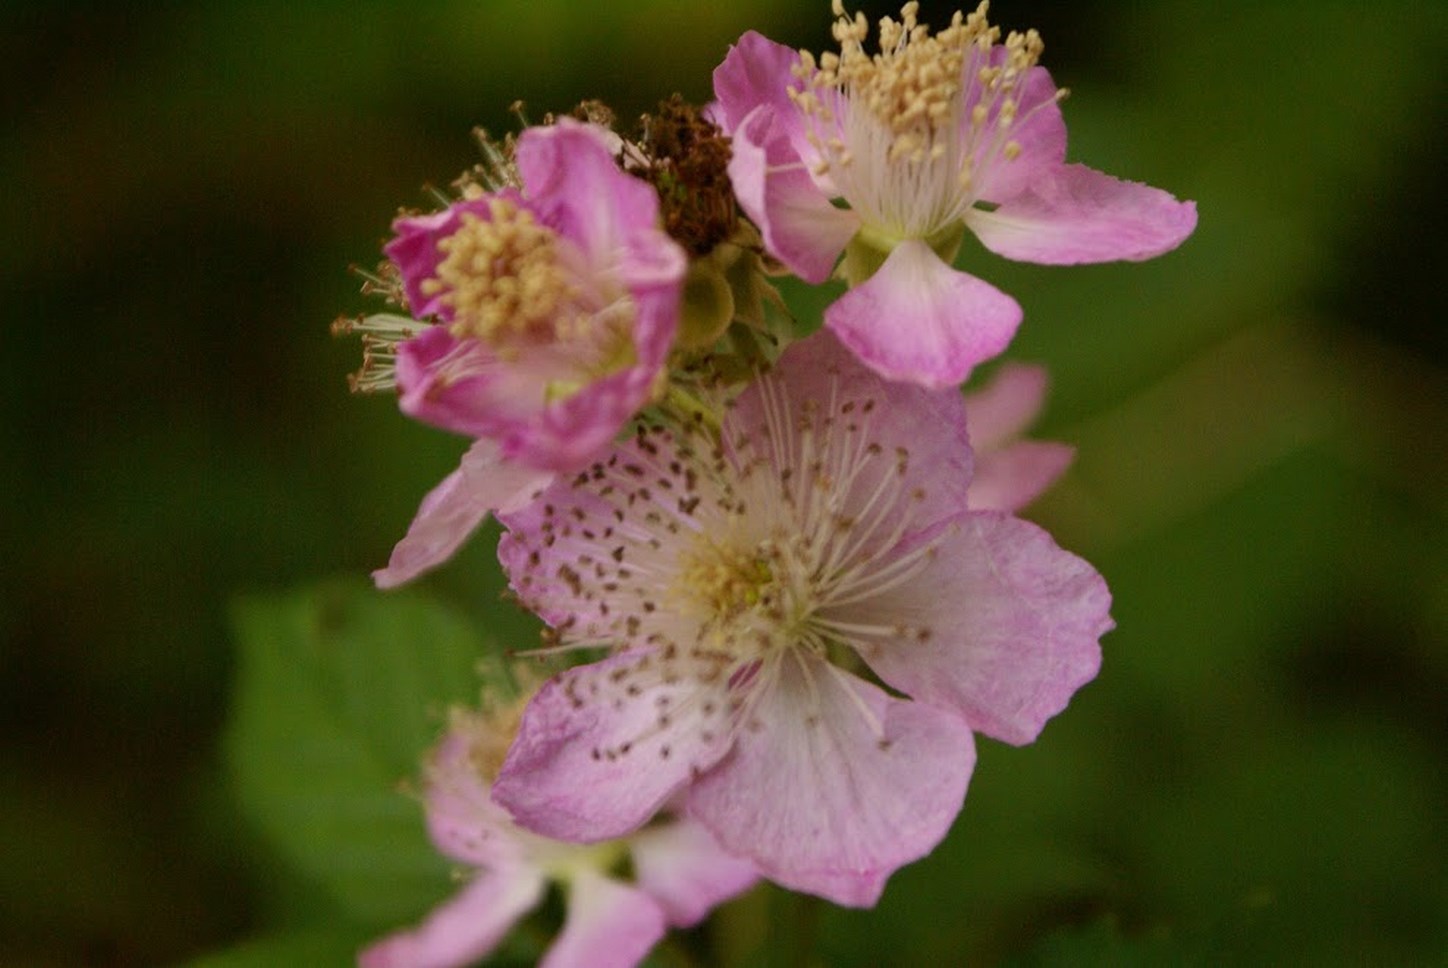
pixel 464 928
pixel 1015 475
pixel 685 870
pixel 609 925
pixel 916 319
pixel 572 179
pixel 602 747
pixel 1076 214
pixel 755 71
pixel 1014 624
pixel 453 510
pixel 799 225
pixel 832 792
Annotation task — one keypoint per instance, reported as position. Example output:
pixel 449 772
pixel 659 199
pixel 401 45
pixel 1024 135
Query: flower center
pixel 908 134
pixel 503 278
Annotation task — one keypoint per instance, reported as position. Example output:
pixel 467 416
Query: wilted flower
pixel 935 134
pixel 679 872
pixel 748 584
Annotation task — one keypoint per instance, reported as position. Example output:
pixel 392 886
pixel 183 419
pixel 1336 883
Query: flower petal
pixel 609 925
pixel 462 819
pixel 454 509
pixel 1076 214
pixel 602 747
pixel 1007 405
pixel 916 319
pixel 922 432
pixel 756 71
pixel 572 179
pixel 685 870
pixel 1014 627
pixel 1039 130
pixel 833 784
pixel 464 928
pixel 1013 476
pixel 795 218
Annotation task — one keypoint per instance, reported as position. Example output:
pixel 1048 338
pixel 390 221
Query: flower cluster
pixel 792 562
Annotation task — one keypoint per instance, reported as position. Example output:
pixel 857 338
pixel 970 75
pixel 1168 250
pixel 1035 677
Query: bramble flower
pixel 558 304
pixel 935 134
pixel 1009 472
pixel 748 584
pixel 556 309
pixel 679 872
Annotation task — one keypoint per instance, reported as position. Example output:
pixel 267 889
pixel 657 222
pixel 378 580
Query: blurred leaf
pixel 340 691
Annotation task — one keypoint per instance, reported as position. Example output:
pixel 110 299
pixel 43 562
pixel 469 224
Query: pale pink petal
pixel 1007 405
pixel 602 747
pixel 1012 624
pixel 918 320
pixel 1076 214
pixel 921 432
pixel 455 508
pixel 463 929
pixel 1039 130
pixel 833 784
pixel 462 819
pixel 609 925
pixel 1013 476
pixel 685 870
pixel 799 225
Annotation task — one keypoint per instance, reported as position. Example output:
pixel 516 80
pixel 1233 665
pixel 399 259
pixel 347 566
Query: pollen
pixel 727 580
pixel 909 132
pixel 502 276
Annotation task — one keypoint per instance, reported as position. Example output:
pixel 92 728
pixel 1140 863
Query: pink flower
pixel 679 874
pixel 933 135
pixel 1009 472
pixel 557 309
pixel 745 586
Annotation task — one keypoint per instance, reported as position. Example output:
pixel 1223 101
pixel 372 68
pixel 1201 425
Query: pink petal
pixel 773 185
pixel 602 747
pixel 1015 475
pixel 454 509
pixel 916 319
pixel 609 925
pixel 756 71
pixel 1076 214
pixel 685 870
pixel 463 929
pixel 1039 130
pixel 1007 405
pixel 923 431
pixel 573 180
pixel 1014 627
pixel 833 784
pixel 462 819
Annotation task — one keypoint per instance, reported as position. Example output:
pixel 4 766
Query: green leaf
pixel 340 691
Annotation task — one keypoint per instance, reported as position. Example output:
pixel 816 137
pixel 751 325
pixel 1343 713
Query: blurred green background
pixel 1257 776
